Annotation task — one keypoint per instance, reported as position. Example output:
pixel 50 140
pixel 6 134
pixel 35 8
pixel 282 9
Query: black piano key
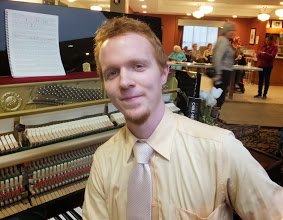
pixel 76 215
pixel 71 215
pixel 64 217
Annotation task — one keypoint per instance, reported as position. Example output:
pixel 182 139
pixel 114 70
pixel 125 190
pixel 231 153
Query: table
pixel 205 66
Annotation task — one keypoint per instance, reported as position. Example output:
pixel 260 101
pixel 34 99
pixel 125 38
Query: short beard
pixel 137 120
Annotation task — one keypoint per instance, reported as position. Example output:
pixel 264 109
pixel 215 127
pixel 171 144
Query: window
pixel 200 35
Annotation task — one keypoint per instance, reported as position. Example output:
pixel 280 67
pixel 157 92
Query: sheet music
pixel 33 44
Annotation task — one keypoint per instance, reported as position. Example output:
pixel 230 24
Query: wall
pixel 243 27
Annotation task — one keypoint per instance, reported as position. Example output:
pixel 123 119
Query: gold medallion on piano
pixel 11 101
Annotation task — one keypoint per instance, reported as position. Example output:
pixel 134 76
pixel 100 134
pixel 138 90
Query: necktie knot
pixel 142 152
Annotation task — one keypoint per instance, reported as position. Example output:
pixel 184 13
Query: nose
pixel 126 78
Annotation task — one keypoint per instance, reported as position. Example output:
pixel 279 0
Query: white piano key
pixel 79 210
pixel 62 217
pixel 14 141
pixel 2 148
pixel 71 215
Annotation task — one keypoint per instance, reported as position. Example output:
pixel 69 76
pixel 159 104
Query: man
pixel 223 60
pixel 196 171
pixel 265 57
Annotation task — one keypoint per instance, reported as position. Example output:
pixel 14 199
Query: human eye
pixel 110 74
pixel 139 67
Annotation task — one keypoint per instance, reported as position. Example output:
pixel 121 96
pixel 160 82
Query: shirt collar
pixel 160 140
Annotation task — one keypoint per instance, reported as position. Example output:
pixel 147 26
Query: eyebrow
pixel 129 63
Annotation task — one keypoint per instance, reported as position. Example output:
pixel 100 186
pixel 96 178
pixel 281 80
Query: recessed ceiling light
pixel 96 8
pixel 144 12
pixel 87 54
pixel 198 14
pixel 144 6
pixel 189 14
pixel 210 0
pixel 141 0
pixel 71 0
pixel 234 16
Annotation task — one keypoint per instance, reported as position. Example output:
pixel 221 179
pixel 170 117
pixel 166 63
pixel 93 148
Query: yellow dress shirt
pixel 198 172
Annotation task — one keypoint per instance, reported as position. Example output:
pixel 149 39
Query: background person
pixel 239 60
pixel 178 56
pixel 187 53
pixel 195 170
pixel 223 60
pixel 265 57
pixel 207 53
pixel 195 54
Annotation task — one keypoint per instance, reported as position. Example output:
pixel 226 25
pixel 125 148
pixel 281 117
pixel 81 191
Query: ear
pixel 164 74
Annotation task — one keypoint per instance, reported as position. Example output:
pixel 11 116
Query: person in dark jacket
pixel 265 57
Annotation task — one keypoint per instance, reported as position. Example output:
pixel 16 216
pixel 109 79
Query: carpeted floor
pixel 263 114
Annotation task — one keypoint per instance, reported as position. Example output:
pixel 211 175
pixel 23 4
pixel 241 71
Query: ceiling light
pixel 206 9
pixel 71 0
pixel 96 8
pixel 144 12
pixel 281 3
pixel 234 16
pixel 279 12
pixel 198 14
pixel 189 14
pixel 144 6
pixel 263 17
pixel 210 0
pixel 141 0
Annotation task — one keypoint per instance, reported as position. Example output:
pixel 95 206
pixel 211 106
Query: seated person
pixel 207 53
pixel 195 54
pixel 186 50
pixel 178 56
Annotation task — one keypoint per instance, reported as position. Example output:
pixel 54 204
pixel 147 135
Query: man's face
pixel 132 78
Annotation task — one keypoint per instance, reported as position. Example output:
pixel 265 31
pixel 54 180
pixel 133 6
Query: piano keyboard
pixel 8 144
pixel 118 118
pixel 67 130
pixel 74 214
